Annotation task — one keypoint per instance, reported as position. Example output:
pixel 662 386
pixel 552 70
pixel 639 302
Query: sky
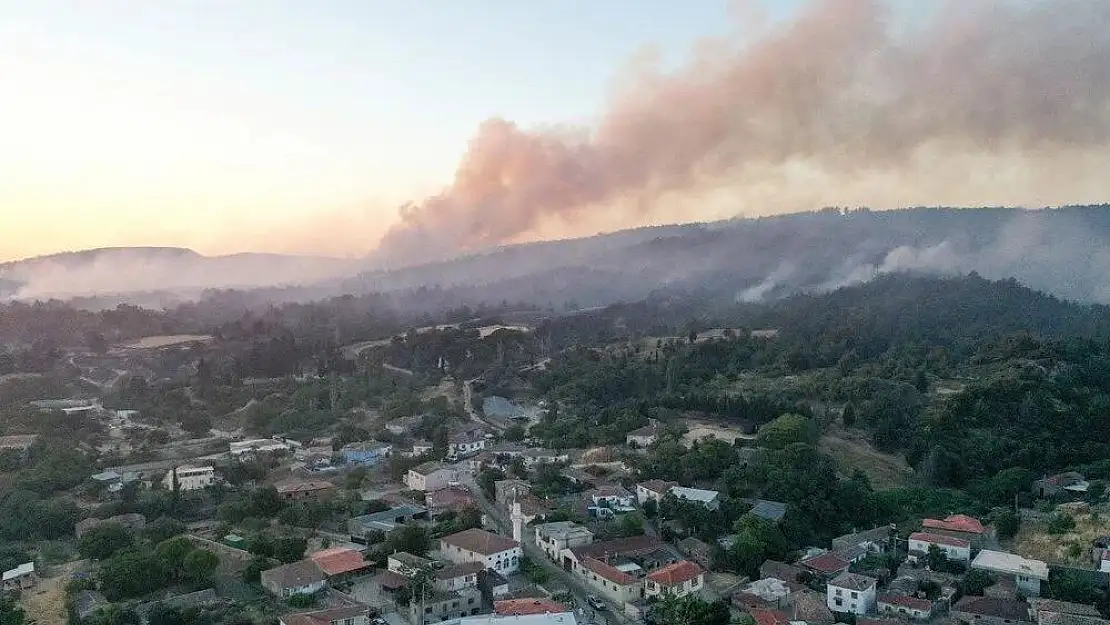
pixel 243 126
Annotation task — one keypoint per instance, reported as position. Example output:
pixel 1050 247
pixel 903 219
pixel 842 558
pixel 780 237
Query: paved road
pixel 472 412
pixel 612 616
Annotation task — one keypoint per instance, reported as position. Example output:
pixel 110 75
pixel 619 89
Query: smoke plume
pixel 843 93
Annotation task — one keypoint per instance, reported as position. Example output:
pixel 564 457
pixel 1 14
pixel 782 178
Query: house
pixel 959 526
pixel 340 562
pixel 675 580
pixel 710 499
pixel 406 564
pixel 905 606
pixel 811 607
pixel 609 581
pixel 769 617
pixel 876 540
pixel 114 481
pixel 1026 574
pixel 474 545
pixel 1069 482
pixel 463 444
pixel 366 452
pixel 973 610
pixel 242 450
pixel 189 478
pixel 851 593
pixel 654 490
pixel 368 526
pixel 643 437
pixel 1049 609
pixel 347 615
pixel 432 476
pixel 21 577
pixel 305 490
pixel 495 583
pixel 553 538
pixel 437 606
pixel 955 549
pixel 524 607
pixel 455 577
pixel 299 578
pixel 766 594
pixel 453 498
pixel 781 570
pixel 132 521
pixel 537 456
pixel 826 565
pixel 565 618
pixel 605 501
pixel 772 511
pixel 697 551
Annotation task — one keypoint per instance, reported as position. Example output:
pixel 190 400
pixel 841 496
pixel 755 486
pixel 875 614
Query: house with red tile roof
pixel 905 607
pixel 959 526
pixel 525 607
pixel 340 562
pixel 955 549
pixel 678 580
pixel 769 617
pixel 609 581
pixel 476 545
pixel 827 564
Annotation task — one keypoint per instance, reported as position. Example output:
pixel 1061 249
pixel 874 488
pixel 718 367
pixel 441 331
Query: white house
pixel 190 478
pixel 711 499
pixel 474 545
pixel 534 457
pixel 956 549
pixel 1027 574
pixel 465 444
pixel 654 490
pixel 431 476
pixel 21 577
pixel 614 497
pixel 903 606
pixel 456 577
pixel 553 538
pixel 850 592
pixel 678 580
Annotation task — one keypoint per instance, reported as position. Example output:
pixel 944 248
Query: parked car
pixel 595 602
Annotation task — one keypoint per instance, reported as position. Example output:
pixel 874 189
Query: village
pixel 473 533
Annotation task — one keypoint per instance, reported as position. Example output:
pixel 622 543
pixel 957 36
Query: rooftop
pixel 1038 604
pixel 675 574
pixel 904 601
pixel 564 530
pixel 453 571
pixel 998 608
pixel 431 467
pixel 955 523
pixel 694 494
pixel 658 486
pixel 410 560
pixel 339 560
pixel 853 581
pixel 647 430
pixel 325 617
pixel 480 541
pixel 607 572
pixel 23 569
pixel 770 617
pixel 518 607
pixel 297 574
pixel 1002 562
pixel 633 545
pixel 826 563
pixel 939 539
pixel 770 510
pixel 565 618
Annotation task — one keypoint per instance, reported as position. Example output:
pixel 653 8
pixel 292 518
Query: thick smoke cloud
pixel 840 93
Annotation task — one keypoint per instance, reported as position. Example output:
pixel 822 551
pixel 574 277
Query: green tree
pixel 199 566
pixel 1060 523
pixel 162 529
pixel 848 415
pixel 162 614
pixel 631 524
pixel 692 610
pixel 103 541
pixel 1073 586
pixel 10 613
pixel 173 551
pixel 787 430
pixel 253 573
pixel 976 581
pixel 1007 522
pixel 132 573
pixel 411 538
pixel 651 508
pixel 514 432
pixel 289 549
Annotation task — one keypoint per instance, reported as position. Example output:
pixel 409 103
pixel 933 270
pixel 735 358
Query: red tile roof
pixel 912 603
pixel 450 497
pixel 939 539
pixel 391 580
pixel 770 617
pixel 339 560
pixel 658 486
pixel 675 574
pixel 956 523
pixel 524 607
pixel 480 541
pixel 607 572
pixel 826 563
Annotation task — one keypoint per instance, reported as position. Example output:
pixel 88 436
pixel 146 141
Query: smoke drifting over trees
pixel 845 95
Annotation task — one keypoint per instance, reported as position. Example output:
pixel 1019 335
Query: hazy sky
pixel 232 126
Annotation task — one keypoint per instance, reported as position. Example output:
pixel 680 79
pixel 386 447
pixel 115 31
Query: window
pixel 428 610
pixel 855 595
pixel 839 592
pixel 839 601
pixel 454 604
pixel 348 621
pixel 470 601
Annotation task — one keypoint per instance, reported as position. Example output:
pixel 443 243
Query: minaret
pixel 518 521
